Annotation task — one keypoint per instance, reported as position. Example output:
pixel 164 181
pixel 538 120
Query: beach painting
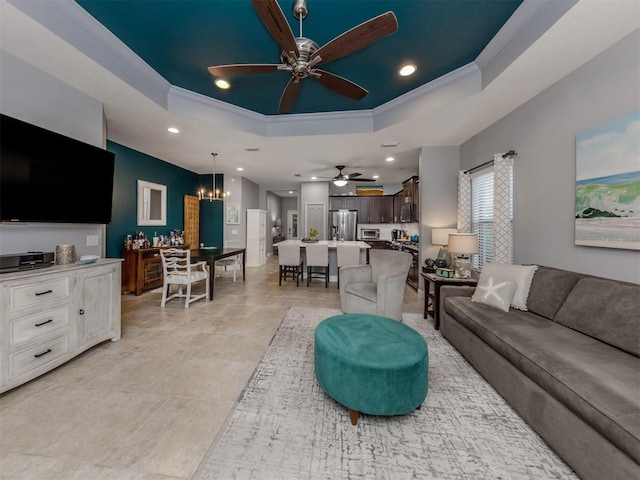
pixel 608 184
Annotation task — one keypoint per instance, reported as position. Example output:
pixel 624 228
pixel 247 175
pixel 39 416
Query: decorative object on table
pixel 445 272
pixel 606 188
pixel 65 254
pixel 440 236
pixel 88 259
pixel 465 245
pixel 430 263
pixel 369 190
pixel 440 263
pixel 313 236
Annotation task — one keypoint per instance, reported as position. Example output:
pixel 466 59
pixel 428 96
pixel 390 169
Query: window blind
pixel 482 214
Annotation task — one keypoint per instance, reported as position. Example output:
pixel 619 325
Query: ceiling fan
pixel 342 179
pixel 302 56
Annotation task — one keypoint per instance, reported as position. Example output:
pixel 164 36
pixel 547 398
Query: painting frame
pixel 233 214
pixel 607 189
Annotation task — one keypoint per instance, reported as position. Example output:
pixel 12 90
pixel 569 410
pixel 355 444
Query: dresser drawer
pixel 39 325
pixel 33 357
pixel 31 294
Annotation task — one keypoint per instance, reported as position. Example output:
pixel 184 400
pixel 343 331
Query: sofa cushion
pixel 598 382
pixel 521 274
pixel 549 288
pixel 495 293
pixel 604 309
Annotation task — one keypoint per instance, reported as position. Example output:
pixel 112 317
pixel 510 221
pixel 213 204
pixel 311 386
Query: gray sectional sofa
pixel 569 365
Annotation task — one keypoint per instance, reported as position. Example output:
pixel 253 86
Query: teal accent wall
pixel 131 166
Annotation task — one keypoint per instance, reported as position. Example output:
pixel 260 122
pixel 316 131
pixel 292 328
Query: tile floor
pixel 148 406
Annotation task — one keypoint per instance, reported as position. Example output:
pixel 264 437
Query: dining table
pixel 213 254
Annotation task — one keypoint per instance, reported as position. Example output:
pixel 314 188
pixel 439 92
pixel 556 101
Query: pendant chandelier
pixel 214 194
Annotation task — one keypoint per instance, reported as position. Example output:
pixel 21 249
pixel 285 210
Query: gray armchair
pixel 377 288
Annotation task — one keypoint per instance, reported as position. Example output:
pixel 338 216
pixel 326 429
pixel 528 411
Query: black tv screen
pixel 47 177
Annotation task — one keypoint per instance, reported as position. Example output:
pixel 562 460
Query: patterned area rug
pixel 285 427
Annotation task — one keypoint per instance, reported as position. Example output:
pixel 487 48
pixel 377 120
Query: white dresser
pixel 50 315
pixel 256 237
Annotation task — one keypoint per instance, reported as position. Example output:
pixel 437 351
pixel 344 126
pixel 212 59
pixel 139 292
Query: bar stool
pixel 347 255
pixel 317 257
pixel 289 262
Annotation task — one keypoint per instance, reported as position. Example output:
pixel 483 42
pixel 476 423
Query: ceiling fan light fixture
pixel 340 183
pixel 173 130
pixel 407 70
pixel 222 83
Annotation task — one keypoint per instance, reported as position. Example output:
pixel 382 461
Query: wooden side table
pixel 438 282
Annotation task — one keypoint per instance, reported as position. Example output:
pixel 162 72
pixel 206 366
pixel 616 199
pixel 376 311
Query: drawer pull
pixel 43 293
pixel 81 311
pixel 38 355
pixel 44 323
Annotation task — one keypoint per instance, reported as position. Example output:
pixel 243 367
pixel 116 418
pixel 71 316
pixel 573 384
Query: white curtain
pixel 464 202
pixel 502 215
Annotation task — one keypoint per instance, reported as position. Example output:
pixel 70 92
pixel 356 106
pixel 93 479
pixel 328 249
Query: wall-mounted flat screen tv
pixel 47 177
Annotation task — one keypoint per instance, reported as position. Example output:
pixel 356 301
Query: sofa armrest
pixel 447 291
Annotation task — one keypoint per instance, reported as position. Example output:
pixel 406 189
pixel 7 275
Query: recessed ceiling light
pixel 251 149
pixel 407 70
pixel 376 176
pixel 240 169
pixel 221 83
pixel 389 159
pixel 290 191
pixel 173 130
pixel 314 178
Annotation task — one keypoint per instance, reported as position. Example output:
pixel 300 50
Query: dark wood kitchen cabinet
pixel 375 209
pixel 343 203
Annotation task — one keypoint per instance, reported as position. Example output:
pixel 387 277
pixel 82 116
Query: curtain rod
pixel 510 153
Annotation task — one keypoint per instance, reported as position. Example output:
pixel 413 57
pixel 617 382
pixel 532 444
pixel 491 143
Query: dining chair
pixel 346 256
pixel 234 262
pixel 177 269
pixel 289 263
pixel 317 257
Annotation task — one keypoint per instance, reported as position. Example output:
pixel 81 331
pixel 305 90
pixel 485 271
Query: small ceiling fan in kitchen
pixel 342 179
pixel 302 57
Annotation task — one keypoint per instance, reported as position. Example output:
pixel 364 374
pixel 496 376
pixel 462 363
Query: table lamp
pixel 463 244
pixel 440 236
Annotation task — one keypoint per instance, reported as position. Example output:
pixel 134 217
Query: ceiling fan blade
pixel 340 85
pixel 357 38
pixel 361 179
pixel 242 69
pixel 356 174
pixel 271 15
pixel 290 95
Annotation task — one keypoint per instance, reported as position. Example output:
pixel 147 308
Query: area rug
pixel 285 427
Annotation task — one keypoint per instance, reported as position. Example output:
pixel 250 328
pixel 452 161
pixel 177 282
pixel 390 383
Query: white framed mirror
pixel 152 203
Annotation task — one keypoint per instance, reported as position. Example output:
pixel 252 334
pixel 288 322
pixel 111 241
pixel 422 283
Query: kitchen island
pixel 333 246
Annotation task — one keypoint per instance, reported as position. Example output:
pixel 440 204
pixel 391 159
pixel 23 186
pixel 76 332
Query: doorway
pixel 292 224
pixel 316 217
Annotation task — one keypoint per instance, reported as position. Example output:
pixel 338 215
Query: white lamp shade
pixel 440 236
pixel 465 243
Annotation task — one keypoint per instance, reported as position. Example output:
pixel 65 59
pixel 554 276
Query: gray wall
pixel 543 132
pixel 438 193
pixel 35 97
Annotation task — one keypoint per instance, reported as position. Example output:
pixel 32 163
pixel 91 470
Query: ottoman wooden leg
pixel 354 416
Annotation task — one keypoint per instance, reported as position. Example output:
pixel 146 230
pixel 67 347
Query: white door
pixel 316 217
pixel 292 224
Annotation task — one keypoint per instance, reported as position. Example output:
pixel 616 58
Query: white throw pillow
pixel 495 293
pixel 522 275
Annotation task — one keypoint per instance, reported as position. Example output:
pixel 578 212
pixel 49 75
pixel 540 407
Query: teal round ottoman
pixel 371 364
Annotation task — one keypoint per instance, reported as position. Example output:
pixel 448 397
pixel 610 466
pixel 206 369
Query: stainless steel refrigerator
pixel 343 224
